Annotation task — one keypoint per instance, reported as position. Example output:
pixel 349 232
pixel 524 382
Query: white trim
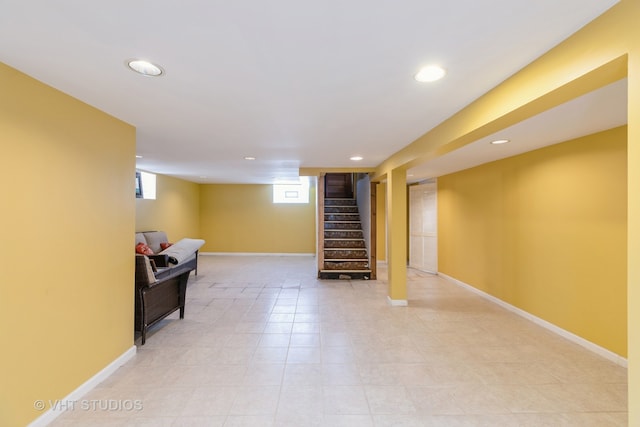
pixel 85 388
pixel 397 302
pixel 601 351
pixel 256 254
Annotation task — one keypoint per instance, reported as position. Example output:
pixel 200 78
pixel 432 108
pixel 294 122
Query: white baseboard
pixel 397 302
pixel 86 387
pixel 601 351
pixel 256 254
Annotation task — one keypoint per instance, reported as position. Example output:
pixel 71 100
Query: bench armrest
pixel 160 260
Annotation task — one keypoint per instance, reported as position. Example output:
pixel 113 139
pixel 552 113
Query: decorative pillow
pixel 140 238
pixel 165 245
pixel 144 249
pixel 154 238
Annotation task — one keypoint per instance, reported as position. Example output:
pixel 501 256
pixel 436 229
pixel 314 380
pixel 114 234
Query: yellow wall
pixel 67 232
pixel 633 235
pixel 34 119
pixel 175 210
pixel 381 219
pixel 546 232
pixel 601 52
pixel 243 218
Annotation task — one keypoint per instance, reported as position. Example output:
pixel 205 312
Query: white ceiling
pixel 293 83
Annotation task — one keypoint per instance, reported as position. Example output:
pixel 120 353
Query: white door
pixel 423 227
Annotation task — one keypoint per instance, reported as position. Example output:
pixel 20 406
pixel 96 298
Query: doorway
pixel 338 186
pixel 423 227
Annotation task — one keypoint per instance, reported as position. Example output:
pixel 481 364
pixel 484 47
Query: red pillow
pixel 164 245
pixel 144 249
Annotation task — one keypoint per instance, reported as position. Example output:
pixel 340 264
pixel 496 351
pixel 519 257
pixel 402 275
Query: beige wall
pixel 67 232
pixel 175 210
pixel 243 218
pixel 546 232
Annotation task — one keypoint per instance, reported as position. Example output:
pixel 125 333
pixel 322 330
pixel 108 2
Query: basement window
pixel 145 185
pixel 297 192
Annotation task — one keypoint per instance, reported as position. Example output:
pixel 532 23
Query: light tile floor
pixel 264 343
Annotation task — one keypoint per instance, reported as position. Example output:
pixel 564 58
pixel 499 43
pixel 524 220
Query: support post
pixel 397 236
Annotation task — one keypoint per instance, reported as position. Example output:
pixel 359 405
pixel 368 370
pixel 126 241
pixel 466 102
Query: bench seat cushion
pixel 182 250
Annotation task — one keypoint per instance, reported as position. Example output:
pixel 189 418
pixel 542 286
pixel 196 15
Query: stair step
pixel 354 213
pixel 345 253
pixel 344 274
pixel 344 238
pixel 342 217
pixel 344 249
pixel 344 244
pixel 340 209
pixel 340 202
pixel 340 250
pixel 328 267
pixel 342 225
pixel 345 265
pixel 338 223
pixel 343 234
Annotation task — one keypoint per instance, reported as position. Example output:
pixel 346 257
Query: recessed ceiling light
pixel 145 68
pixel 138 156
pixel 356 158
pixel 249 158
pixel 430 73
pixel 499 141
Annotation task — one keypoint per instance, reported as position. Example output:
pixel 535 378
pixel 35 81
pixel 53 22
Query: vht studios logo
pixel 127 405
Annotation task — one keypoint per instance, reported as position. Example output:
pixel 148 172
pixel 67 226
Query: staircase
pixel 345 253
